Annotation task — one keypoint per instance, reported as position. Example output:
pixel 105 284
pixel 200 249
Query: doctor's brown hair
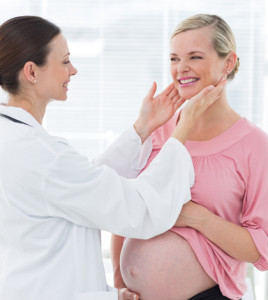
pixel 23 39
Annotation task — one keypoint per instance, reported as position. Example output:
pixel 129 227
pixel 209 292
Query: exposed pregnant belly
pixel 163 268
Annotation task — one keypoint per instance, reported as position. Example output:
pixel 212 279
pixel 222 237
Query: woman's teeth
pixel 184 81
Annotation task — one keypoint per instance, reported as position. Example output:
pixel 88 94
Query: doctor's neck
pixel 31 104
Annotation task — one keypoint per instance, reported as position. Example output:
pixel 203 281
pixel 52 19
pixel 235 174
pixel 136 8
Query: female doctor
pixel 53 200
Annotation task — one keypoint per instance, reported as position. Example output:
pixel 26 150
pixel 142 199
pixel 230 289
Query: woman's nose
pixel 183 67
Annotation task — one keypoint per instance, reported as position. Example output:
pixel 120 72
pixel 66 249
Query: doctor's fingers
pixel 173 92
pixel 168 97
pixel 125 294
pixel 178 101
pixel 168 93
pixel 208 95
pixel 169 89
pixel 213 93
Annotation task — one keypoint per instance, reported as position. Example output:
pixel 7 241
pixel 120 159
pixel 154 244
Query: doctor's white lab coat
pixel 54 202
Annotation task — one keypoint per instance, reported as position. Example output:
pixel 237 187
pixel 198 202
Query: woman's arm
pixel 116 247
pixel 233 239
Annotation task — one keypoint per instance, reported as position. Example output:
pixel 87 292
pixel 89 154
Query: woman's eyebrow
pixel 194 52
pixel 190 53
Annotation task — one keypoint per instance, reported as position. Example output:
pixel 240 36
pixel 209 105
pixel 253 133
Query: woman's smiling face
pixel 194 63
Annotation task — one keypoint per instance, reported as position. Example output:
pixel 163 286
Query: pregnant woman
pixel 225 224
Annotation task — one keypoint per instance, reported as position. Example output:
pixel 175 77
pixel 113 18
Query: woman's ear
pixel 230 62
pixel 29 71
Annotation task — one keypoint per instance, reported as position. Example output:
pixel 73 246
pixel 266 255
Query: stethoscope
pixel 13 120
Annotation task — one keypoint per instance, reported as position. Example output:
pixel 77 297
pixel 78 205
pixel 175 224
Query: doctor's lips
pixel 186 81
pixel 65 84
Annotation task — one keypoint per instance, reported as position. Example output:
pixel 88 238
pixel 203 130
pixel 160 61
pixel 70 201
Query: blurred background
pixel 121 46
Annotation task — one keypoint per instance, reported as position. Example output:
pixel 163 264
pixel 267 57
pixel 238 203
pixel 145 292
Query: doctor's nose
pixel 72 70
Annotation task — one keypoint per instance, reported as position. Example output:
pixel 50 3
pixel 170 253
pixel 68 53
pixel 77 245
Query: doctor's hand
pixel 195 107
pixel 156 111
pixel 125 294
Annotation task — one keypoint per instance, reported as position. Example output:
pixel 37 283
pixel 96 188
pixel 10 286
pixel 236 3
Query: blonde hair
pixel 223 40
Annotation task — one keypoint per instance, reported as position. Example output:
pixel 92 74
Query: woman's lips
pixel 186 81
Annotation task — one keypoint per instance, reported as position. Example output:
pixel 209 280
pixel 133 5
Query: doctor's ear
pixel 230 62
pixel 29 71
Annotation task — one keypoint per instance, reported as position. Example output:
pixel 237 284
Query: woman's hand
pixel 192 215
pixel 195 107
pixel 125 294
pixel 156 111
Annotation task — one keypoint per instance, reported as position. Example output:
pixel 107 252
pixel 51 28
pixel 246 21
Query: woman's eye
pixel 66 62
pixel 174 59
pixel 196 57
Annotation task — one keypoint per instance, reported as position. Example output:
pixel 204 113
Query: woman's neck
pixel 36 109
pixel 215 120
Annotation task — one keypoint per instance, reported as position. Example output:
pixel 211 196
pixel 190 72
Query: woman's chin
pixel 187 95
pixel 188 92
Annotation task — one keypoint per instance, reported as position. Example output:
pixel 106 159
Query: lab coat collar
pixel 20 114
